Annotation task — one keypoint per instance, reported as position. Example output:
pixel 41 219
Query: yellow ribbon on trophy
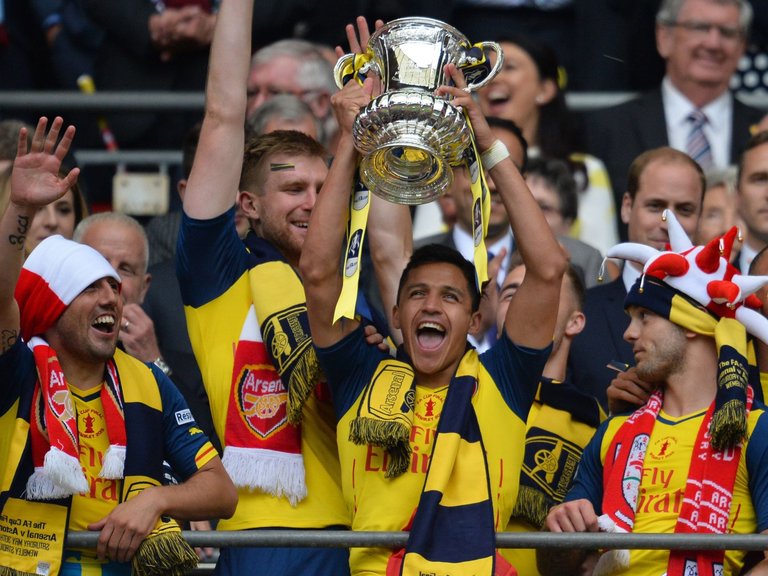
pixel 481 207
pixel 359 205
pixel 356 67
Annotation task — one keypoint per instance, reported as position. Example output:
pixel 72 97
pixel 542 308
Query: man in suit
pixel 701 42
pixel 663 178
pixel 752 196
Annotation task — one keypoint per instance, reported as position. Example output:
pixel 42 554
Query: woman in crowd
pixel 529 91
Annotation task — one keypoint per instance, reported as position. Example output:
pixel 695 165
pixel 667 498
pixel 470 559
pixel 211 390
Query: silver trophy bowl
pixel 409 137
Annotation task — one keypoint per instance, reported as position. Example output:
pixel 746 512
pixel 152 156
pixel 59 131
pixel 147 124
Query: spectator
pixel 295 67
pixel 73 39
pixel 284 112
pixel 752 194
pixel 148 48
pixel 659 179
pixel 693 110
pixel 554 188
pixel 98 464
pixel 550 22
pixel 719 211
pixel 530 91
pixel 688 461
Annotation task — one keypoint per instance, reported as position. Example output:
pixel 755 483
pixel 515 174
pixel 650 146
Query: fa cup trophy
pixel 409 137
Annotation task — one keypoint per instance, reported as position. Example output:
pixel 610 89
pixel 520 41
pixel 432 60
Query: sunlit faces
pixel 753 194
pixel 123 247
pixel 658 345
pixel 698 53
pixel 517 91
pixel 664 184
pixel 434 312
pixel 280 211
pixel 55 218
pixel 87 330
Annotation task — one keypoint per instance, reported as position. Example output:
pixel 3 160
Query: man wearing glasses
pixel 297 67
pixel 693 110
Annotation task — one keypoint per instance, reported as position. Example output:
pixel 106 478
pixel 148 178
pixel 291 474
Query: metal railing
pixel 523 540
pixel 185 101
pixel 352 539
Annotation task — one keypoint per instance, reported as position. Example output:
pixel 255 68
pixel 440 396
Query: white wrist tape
pixel 495 154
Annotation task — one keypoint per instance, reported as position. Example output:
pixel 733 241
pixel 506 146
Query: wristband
pixel 495 154
pixel 163 365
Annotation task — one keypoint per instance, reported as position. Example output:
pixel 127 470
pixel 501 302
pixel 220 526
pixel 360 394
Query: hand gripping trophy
pixel 408 136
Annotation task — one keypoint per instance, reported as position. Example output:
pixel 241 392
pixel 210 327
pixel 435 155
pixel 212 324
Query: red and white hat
pixel 53 275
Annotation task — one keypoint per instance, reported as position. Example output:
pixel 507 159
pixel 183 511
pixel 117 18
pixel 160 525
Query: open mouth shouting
pixel 430 335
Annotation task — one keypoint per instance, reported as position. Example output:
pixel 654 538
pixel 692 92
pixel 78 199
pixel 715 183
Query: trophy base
pixel 409 140
pixel 406 173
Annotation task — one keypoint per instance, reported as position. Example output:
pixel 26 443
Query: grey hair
pixel 670 10
pixel 726 177
pixel 283 107
pixel 315 72
pixel 114 218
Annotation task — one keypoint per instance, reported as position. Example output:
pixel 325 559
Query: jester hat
pixel 697 288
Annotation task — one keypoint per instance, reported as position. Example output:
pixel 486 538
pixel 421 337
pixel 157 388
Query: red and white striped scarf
pixel 53 430
pixel 711 478
pixel 53 275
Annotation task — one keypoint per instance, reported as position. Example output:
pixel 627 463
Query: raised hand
pixel 348 101
pixel 35 179
pixel 463 99
pixel 358 38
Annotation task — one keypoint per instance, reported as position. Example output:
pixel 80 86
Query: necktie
pixel 697 145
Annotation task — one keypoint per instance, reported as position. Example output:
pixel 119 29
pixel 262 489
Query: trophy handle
pixel 346 68
pixel 494 47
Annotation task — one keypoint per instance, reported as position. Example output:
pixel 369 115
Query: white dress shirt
pixel 719 114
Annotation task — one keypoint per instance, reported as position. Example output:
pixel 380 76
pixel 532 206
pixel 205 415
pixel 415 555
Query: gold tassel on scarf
pixel 385 414
pixel 164 553
pixel 5 571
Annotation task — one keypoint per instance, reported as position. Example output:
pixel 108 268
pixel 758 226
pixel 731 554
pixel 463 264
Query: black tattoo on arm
pixel 20 237
pixel 7 339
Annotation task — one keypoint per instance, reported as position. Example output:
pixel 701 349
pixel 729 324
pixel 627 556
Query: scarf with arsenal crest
pixel 275 371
